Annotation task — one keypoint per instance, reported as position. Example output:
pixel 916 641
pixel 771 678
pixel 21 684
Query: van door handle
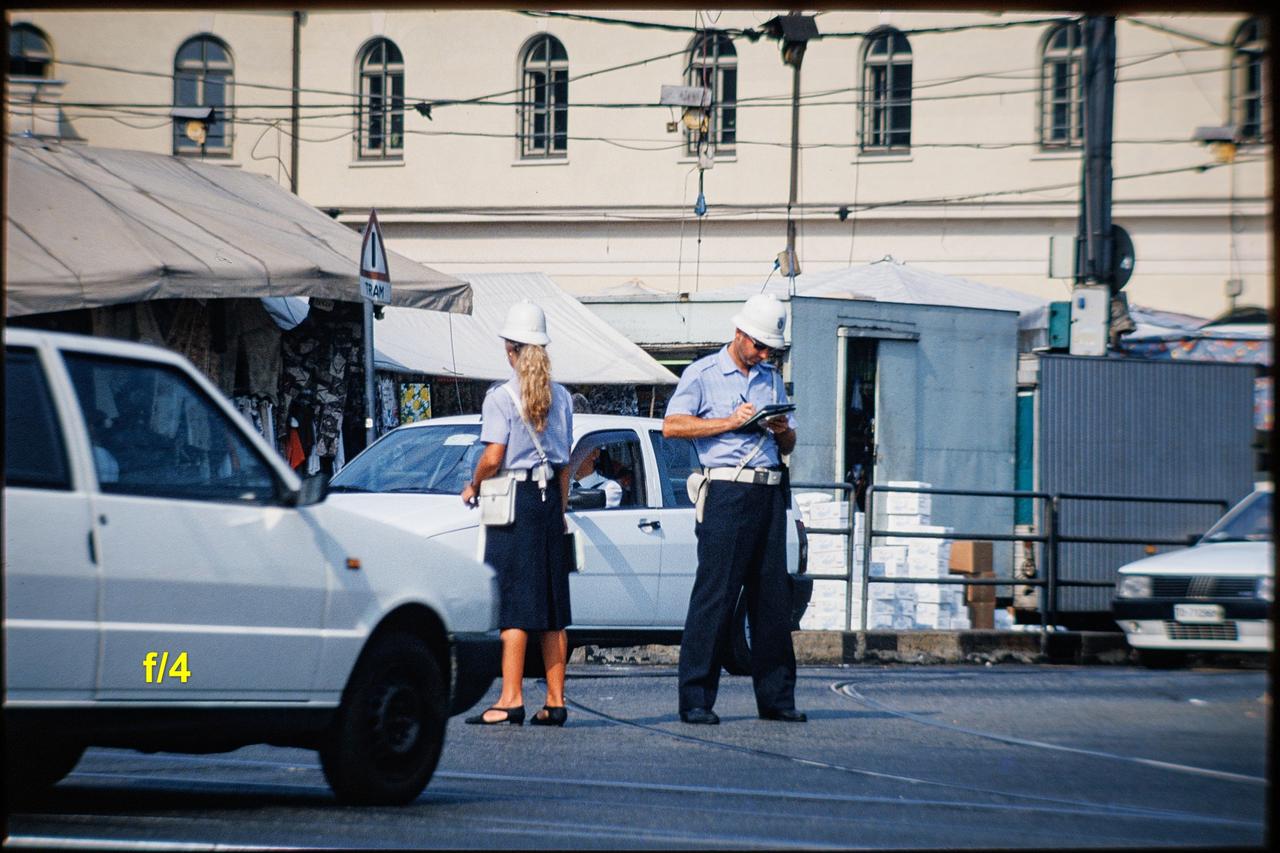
pixel 646 524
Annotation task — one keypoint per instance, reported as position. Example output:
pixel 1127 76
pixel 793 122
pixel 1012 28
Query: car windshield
pixel 1250 521
pixel 431 460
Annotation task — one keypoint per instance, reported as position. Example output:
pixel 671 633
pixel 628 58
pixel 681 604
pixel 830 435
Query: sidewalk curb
pixel 832 648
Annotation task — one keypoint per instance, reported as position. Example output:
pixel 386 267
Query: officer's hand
pixel 470 496
pixel 777 424
pixel 741 415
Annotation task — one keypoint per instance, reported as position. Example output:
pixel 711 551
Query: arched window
pixel 1248 81
pixel 380 119
pixel 713 64
pixel 203 75
pixel 29 53
pixel 544 98
pixel 886 91
pixel 1062 87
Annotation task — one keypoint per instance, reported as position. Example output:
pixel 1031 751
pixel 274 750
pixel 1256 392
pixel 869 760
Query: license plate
pixel 1199 614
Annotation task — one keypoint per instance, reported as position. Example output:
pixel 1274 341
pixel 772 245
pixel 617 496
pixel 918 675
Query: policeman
pixel 742 521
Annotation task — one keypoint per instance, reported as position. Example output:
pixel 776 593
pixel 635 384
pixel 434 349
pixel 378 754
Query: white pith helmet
pixel 526 324
pixel 763 317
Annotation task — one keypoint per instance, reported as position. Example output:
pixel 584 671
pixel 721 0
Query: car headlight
pixel 1133 586
pixel 1266 589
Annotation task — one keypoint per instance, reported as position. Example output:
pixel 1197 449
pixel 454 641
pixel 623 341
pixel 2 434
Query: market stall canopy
pixel 87 227
pixel 584 349
pixel 888 280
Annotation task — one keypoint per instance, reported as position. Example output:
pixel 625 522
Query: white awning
pixel 889 280
pixel 584 349
pixel 87 227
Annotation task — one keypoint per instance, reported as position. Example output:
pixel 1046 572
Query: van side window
pixel 677 459
pixel 155 433
pixel 35 455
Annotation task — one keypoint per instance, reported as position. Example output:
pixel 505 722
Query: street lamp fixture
pixel 794 32
pixel 1221 139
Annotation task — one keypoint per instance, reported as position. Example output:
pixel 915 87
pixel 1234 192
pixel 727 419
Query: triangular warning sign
pixel 375 278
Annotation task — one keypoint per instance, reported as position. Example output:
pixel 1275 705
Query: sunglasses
pixel 759 346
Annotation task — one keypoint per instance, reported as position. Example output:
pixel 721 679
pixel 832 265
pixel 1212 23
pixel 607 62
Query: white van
pixel 170 584
pixel 1213 596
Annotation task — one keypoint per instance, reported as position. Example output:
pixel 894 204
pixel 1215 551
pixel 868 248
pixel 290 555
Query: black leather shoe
pixel 700 717
pixel 550 715
pixel 785 715
pixel 515 717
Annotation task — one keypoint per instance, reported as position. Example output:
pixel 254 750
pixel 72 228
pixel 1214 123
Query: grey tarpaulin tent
pixel 584 349
pixel 87 227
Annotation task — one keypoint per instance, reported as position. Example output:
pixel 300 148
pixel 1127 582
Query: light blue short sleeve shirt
pixel 500 424
pixel 712 387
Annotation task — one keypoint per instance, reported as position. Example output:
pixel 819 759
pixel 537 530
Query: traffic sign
pixel 375 280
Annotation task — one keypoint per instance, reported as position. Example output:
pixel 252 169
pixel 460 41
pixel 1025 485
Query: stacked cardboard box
pixel 974 558
pixel 918 606
pixel 830 554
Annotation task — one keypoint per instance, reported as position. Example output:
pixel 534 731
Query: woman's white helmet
pixel 526 324
pixel 764 318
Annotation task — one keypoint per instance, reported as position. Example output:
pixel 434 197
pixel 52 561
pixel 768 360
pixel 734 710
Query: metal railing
pixel 1051 538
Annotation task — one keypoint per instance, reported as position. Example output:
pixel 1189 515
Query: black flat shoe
pixel 700 717
pixel 550 716
pixel 515 717
pixel 785 715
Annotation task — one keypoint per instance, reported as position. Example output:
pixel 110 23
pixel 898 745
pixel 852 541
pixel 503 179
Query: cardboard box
pixel 907 502
pixel 929 593
pixel 828 514
pixel 970 556
pixel 981 594
pixel 982 616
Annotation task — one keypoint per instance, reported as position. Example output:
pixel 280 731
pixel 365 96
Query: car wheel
pixel 1162 658
pixel 737 658
pixel 36 762
pixel 389 731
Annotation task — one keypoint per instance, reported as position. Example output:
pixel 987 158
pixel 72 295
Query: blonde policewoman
pixel 527 428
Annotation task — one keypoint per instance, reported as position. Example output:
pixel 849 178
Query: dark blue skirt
pixel 530 558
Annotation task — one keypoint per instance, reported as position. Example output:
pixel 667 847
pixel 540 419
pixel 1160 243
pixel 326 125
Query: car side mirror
pixel 1193 538
pixel 314 490
pixel 587 499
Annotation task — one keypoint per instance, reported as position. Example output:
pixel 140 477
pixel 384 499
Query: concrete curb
pixel 830 648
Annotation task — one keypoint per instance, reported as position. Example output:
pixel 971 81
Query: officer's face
pixel 750 351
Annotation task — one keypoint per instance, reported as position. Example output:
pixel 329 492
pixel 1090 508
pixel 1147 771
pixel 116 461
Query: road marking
pixel 1055 803
pixel 47 841
pixel 846 688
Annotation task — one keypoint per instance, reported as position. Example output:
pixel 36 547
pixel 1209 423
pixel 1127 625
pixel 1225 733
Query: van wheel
pixel 36 762
pixel 386 740
pixel 737 658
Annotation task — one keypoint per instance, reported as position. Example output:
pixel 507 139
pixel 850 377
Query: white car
pixel 170 584
pixel 638 557
pixel 1214 596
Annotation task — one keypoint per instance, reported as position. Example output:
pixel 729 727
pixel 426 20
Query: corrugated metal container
pixel 1145 428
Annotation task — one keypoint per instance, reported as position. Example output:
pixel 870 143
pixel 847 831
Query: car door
pixel 51 578
pixel 676 459
pixel 617 583
pixel 210 587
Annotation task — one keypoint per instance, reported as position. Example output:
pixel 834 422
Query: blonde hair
pixel 533 367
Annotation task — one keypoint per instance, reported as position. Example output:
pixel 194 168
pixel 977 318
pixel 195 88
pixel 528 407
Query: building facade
pixel 500 141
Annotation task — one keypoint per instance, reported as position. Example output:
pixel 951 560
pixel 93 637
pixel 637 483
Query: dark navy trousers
pixel 741 545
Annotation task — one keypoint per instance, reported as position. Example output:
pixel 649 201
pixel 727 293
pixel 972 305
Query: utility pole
pixel 294 103
pixel 1093 233
pixel 793 32
pixel 1104 253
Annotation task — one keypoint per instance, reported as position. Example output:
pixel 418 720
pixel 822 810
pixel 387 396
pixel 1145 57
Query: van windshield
pixel 433 460
pixel 1250 521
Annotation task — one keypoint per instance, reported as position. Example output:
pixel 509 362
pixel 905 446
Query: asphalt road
pixel 893 756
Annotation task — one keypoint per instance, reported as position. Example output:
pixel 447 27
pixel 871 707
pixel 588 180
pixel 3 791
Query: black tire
pixel 1162 658
pixel 737 657
pixel 34 763
pixel 387 737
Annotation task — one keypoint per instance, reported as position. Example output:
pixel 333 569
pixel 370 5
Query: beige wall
pixel 609 214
